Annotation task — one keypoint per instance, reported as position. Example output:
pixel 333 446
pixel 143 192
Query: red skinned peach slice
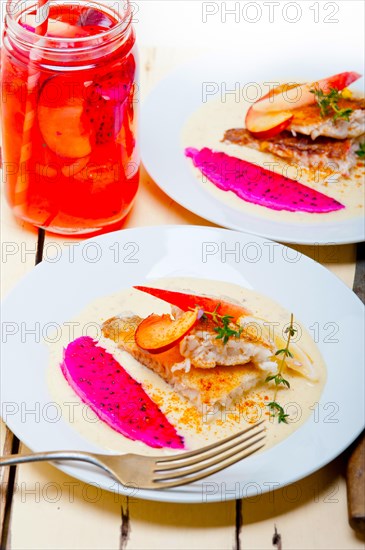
pixel 285 100
pixel 190 301
pixel 274 112
pixel 266 125
pixel 159 333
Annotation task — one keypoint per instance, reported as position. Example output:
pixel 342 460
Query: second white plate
pixel 178 96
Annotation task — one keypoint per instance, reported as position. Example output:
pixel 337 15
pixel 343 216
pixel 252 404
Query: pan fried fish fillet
pixel 308 120
pixel 204 351
pixel 314 141
pixel 324 152
pixel 222 385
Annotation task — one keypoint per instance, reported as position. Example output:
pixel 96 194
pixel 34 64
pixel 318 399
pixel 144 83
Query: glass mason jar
pixel 69 114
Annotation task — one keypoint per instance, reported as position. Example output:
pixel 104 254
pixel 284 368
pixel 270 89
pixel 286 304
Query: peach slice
pixel 63 131
pixel 64 128
pixel 159 333
pixel 273 113
pixel 190 301
pixel 281 99
pixel 266 125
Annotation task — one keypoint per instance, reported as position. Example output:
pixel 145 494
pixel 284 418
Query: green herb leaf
pixel 275 408
pixel 285 383
pixel 225 328
pixel 342 113
pixel 278 412
pixel 278 378
pixel 361 150
pixel 291 330
pixel 285 352
pixel 328 103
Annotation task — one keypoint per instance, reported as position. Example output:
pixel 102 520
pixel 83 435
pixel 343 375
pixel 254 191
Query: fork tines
pixel 195 465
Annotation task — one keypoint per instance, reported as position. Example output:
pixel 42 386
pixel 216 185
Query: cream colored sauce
pixel 199 428
pixel 206 128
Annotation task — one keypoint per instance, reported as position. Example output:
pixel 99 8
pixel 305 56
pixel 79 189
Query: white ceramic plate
pixel 167 109
pixel 57 292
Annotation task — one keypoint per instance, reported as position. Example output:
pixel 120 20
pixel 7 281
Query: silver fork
pixel 163 471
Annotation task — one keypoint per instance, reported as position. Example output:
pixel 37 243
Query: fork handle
pixel 11 460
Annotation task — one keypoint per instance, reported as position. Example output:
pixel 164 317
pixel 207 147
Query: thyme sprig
pixel 278 412
pixel 225 332
pixel 329 102
pixel 276 409
pixel 278 379
pixel 361 150
pixel 225 328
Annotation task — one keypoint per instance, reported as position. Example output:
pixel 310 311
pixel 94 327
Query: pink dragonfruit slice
pixel 117 399
pixel 258 185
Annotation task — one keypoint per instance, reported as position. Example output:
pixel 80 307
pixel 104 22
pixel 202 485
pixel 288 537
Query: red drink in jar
pixel 69 115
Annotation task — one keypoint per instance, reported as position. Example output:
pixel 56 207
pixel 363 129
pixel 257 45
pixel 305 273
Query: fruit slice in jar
pixel 94 21
pixel 56 28
pixel 74 114
pixel 109 94
pixel 159 333
pixel 60 116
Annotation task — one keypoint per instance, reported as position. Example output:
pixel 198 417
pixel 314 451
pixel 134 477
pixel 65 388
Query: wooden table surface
pixel 44 509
